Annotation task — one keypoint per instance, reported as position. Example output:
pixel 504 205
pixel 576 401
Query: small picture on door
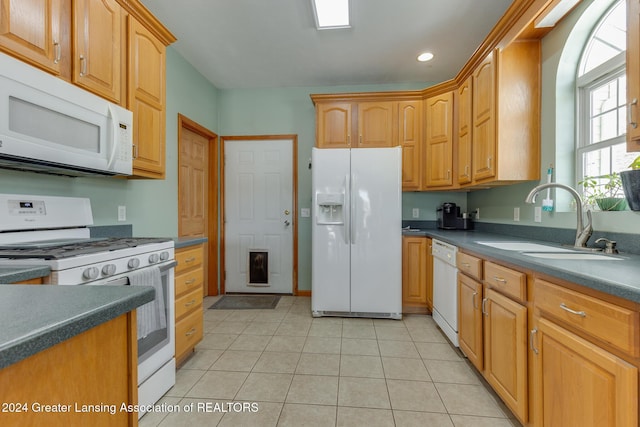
pixel 258 268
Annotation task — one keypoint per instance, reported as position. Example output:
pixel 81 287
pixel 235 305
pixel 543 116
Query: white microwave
pixel 49 125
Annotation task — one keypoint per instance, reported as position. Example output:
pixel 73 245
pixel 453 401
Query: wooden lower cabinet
pixel 505 351
pixel 580 384
pixel 96 367
pixel 470 320
pixel 417 271
pixel 36 281
pixel 189 284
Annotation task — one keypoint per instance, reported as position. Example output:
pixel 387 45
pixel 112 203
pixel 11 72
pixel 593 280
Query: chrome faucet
pixel 583 232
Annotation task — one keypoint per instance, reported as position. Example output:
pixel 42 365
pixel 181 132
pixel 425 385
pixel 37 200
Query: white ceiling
pixel 274 43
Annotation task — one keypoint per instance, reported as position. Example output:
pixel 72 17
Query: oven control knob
pixel 91 273
pixel 133 263
pixel 153 258
pixel 108 270
pixel 164 255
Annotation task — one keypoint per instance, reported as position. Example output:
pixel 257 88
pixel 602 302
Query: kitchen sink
pixel 579 256
pixel 523 247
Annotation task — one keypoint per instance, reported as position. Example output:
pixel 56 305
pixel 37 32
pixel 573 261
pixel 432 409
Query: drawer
pixel 505 280
pixel 469 265
pixel 607 322
pixel 186 282
pixel 188 333
pixel 189 302
pixel 189 258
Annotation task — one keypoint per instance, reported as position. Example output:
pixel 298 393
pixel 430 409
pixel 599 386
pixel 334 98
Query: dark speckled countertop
pixel 18 274
pixel 34 318
pixel 615 277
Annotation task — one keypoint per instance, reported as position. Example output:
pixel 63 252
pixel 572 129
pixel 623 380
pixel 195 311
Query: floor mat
pixel 246 302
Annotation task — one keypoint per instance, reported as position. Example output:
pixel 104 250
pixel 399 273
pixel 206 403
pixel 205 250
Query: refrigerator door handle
pixel 346 207
pixel 352 208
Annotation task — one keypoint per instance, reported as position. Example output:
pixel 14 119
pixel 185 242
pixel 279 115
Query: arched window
pixel 601 90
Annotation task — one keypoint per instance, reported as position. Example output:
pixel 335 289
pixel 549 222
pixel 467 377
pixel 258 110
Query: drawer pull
pixel 190 281
pixel 578 313
pixel 190 259
pixel 466 264
pixel 190 332
pixel 190 303
pixel 499 279
pixel 532 334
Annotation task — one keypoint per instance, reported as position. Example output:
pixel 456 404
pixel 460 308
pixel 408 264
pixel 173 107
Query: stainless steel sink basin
pixel 579 256
pixel 523 247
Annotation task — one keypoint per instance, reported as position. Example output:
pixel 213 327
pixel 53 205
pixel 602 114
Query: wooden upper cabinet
pixel 484 134
pixel 438 171
pixel 333 125
pixel 31 31
pixel 633 75
pixel 410 138
pixel 376 124
pixel 462 102
pixel 98 46
pixel 146 98
pixel 506 115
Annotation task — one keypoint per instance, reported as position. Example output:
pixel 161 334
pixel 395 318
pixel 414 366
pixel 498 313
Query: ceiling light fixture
pixel 553 13
pixel 424 57
pixel 331 14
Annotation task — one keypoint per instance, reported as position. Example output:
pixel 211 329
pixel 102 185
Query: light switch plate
pixel 537 214
pixel 122 213
pixel 516 214
pixel 305 212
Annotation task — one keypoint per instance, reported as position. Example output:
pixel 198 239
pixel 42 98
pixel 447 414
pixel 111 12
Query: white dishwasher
pixel 445 289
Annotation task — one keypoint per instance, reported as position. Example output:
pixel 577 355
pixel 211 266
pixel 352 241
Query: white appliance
pixel 445 288
pixel 356 232
pixel 49 125
pixel 52 231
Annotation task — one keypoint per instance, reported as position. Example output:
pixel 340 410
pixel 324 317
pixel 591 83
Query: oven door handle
pixel 122 281
pixel 167 265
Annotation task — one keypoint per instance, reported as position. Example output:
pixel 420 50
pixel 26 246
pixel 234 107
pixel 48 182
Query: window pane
pixel 604 98
pixel 622 90
pixel 621 159
pixel 604 127
pixel 597 162
pixel 608 40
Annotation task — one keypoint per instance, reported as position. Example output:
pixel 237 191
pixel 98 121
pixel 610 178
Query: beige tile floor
pixel 301 371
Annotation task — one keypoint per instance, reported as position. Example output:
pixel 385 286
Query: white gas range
pixel 53 231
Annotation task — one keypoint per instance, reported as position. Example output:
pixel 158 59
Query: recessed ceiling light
pixel 424 57
pixel 331 13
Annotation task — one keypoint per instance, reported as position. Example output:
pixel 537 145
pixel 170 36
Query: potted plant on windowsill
pixel 631 184
pixel 604 191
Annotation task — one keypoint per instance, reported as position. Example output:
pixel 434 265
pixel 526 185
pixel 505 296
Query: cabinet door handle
pixel 484 304
pixel 475 294
pixel 489 162
pixel 134 147
pixel 57 50
pixel 448 174
pixel 466 170
pixel 190 332
pixel 577 313
pixel 532 334
pixel 633 103
pixel 83 66
pixel 499 279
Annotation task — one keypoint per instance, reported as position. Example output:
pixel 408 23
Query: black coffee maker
pixel 447 215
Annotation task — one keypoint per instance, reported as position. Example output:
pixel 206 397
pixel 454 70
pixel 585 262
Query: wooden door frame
pixel 294 217
pixel 212 207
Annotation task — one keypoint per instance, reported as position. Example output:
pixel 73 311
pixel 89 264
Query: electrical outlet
pixel 516 214
pixel 416 213
pixel 122 213
pixel 537 214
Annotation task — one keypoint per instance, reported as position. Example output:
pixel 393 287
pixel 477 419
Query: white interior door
pixel 259 216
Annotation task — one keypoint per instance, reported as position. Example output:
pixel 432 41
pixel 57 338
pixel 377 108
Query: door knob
pixel 286 212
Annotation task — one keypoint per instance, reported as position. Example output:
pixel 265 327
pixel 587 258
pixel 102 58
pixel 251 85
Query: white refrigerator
pixel 356 232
